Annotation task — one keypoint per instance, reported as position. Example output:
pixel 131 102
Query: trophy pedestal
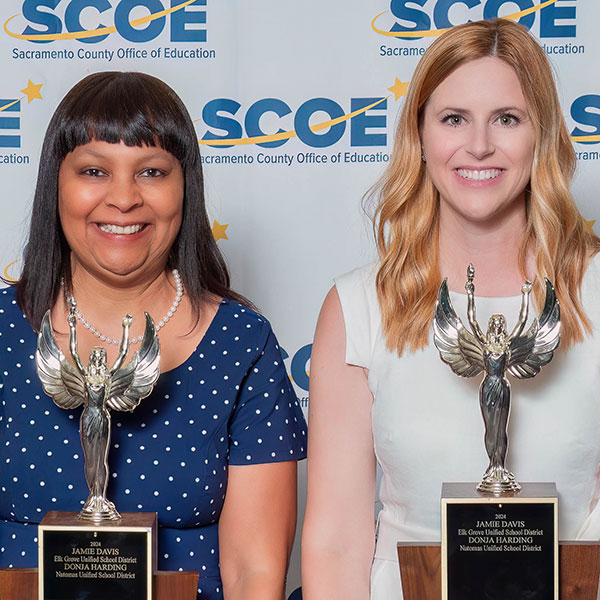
pixel 421 579
pixel 499 546
pixel 22 584
pixel 81 559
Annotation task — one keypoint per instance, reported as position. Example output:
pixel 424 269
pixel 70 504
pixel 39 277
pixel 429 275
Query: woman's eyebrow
pixel 466 111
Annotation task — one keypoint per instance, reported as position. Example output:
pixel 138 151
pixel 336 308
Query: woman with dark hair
pixel 480 174
pixel 119 224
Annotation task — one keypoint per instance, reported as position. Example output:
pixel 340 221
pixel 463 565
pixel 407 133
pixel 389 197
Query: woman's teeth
pixel 479 175
pixel 117 229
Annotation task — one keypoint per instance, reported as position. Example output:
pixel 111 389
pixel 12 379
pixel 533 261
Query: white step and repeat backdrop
pixel 294 103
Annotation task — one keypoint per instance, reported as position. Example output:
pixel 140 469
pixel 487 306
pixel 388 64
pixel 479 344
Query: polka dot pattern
pixel 231 402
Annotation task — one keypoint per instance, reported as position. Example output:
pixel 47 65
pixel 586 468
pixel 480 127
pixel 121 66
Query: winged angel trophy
pixel 98 388
pixel 495 352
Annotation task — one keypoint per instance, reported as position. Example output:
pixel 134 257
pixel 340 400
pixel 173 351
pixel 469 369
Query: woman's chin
pixel 113 271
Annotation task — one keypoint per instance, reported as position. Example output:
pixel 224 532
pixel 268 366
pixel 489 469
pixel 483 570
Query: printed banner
pixel 295 107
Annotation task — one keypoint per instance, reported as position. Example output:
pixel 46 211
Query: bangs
pixel 133 108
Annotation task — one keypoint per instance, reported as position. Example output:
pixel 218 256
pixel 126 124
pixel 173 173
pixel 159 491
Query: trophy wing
pixel 457 346
pixel 60 380
pixel 535 348
pixel 135 381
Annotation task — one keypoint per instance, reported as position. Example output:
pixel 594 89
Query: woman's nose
pixel 123 193
pixel 480 143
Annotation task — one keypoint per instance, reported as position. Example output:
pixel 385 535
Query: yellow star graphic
pixel 590 223
pixel 218 231
pixel 399 88
pixel 32 91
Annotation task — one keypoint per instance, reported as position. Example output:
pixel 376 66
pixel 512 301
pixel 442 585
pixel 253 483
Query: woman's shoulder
pixel 8 296
pixel 245 321
pixel 240 313
pixel 357 292
pixel 363 276
pixel 360 310
pixel 16 335
pixel 9 309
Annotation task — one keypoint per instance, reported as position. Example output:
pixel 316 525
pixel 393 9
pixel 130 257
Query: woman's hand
pixel 338 537
pixel 256 530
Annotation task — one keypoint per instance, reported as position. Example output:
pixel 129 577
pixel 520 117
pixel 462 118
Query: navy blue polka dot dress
pixel 231 402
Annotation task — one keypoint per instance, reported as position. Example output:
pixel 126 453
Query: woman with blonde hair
pixel 480 174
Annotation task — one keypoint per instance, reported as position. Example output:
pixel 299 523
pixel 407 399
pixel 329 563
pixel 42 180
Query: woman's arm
pixel 256 530
pixel 338 536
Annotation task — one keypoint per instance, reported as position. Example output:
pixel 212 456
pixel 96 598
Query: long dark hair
pixel 136 109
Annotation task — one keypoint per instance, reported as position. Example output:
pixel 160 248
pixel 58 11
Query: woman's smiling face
pixel 478 141
pixel 120 207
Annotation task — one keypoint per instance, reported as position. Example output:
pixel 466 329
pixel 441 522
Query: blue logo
pixel 415 19
pixel 46 24
pixel 10 123
pixel 585 112
pixel 299 368
pixel 367 120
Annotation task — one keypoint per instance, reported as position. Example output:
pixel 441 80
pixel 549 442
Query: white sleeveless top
pixel 428 428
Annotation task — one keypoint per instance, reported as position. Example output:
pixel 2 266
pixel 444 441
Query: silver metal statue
pixel 98 388
pixel 495 352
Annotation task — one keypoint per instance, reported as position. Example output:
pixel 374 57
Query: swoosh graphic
pixel 435 32
pixel 8 266
pixel 7 106
pixel 286 135
pixel 585 138
pixel 78 35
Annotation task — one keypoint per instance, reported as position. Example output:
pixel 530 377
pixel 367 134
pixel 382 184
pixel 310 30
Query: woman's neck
pixel 492 247
pixel 104 303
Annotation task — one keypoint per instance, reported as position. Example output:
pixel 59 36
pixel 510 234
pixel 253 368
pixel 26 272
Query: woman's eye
pixel 152 172
pixel 508 120
pixel 93 172
pixel 454 120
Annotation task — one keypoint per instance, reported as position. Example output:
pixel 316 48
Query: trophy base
pixel 498 482
pixel 499 547
pixel 98 509
pixel 96 560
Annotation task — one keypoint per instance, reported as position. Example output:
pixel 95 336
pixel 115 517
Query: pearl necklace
pixel 135 340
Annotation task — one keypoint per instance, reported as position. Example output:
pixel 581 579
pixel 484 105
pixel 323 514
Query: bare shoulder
pixel 333 380
pixel 331 317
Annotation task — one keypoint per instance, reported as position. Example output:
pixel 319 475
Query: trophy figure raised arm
pixel 98 387
pixel 496 352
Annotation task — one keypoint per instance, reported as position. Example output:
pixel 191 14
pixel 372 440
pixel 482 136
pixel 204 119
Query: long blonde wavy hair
pixel 407 215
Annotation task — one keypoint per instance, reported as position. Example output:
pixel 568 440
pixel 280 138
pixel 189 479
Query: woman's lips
pixel 479 174
pixel 121 229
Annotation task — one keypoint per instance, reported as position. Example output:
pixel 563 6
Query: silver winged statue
pixel 522 354
pixel 98 388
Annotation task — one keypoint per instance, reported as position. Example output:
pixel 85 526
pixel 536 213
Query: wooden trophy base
pixel 420 569
pixel 499 547
pixel 85 559
pixel 22 584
